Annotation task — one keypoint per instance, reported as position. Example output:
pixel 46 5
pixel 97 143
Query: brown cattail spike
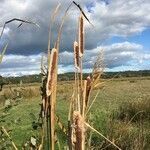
pixel 81 36
pixel 76 55
pixel 51 73
pixel 79 131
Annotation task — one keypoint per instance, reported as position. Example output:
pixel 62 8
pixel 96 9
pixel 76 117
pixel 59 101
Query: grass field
pixel 121 112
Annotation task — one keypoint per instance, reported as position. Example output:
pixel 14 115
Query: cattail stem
pixel 81 36
pixel 51 93
pixel 84 97
pixel 81 82
pixel 78 94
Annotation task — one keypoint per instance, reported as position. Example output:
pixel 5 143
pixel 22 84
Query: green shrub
pixel 134 110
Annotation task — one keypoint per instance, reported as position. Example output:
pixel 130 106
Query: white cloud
pixel 13 65
pixel 115 55
pixel 120 18
pixel 119 55
pixel 18 65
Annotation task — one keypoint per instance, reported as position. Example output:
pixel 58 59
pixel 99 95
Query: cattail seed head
pixel 51 72
pixel 76 54
pixel 79 130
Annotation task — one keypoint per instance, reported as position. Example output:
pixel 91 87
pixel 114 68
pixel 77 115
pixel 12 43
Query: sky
pixel 120 32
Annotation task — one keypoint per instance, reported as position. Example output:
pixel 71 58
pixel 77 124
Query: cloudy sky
pixel 121 29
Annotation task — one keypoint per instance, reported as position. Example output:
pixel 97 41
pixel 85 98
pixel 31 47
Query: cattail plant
pixel 79 143
pixel 80 103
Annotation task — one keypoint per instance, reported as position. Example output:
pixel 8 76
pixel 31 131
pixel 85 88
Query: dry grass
pixel 111 97
pixel 134 110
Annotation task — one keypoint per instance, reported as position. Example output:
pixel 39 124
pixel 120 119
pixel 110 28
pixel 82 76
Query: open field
pixel 121 112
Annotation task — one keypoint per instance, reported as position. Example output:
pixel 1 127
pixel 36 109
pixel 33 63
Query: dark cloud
pixel 121 18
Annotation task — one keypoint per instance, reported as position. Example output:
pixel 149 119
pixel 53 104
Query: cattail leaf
pixel 98 85
pixel 81 10
pixel 19 20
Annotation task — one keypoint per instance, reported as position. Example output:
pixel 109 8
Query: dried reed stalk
pixel 53 16
pixel 102 136
pixel 84 98
pixel 57 44
pixel 86 95
pixel 51 93
pixel 81 36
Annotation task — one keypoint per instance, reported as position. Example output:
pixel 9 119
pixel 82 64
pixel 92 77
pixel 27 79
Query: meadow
pixel 121 112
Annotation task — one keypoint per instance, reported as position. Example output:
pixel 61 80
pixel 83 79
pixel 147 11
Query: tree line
pixel 70 76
